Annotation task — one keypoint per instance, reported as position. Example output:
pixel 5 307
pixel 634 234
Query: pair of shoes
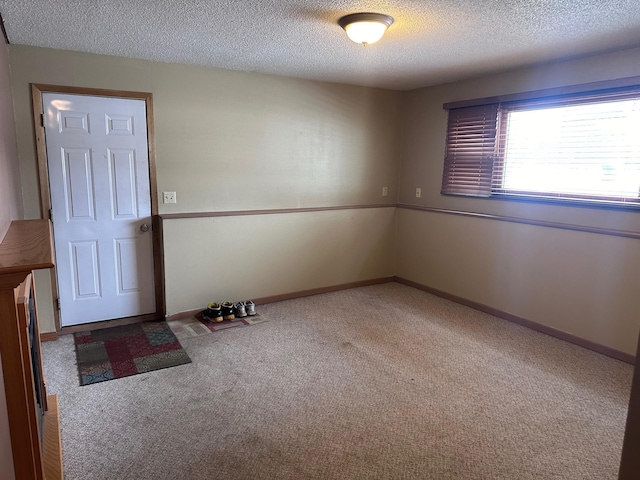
pixel 240 310
pixel 250 308
pixel 243 309
pixel 227 311
pixel 213 312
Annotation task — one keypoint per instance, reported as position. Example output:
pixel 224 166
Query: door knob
pixel 144 227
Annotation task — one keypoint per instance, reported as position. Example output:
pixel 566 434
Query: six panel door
pixel 98 164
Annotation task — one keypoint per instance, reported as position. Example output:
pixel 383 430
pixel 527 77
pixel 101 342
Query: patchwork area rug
pixel 196 326
pixel 126 350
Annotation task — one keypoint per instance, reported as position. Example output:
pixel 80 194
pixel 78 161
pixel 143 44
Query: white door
pixel 98 164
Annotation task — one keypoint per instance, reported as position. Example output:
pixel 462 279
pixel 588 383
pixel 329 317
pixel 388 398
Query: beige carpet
pixel 382 382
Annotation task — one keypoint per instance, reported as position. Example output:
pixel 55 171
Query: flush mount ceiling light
pixel 365 28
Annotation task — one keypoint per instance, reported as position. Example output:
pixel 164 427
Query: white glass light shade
pixel 365 33
pixel 365 28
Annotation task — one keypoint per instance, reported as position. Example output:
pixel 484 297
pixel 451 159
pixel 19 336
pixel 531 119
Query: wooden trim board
pixel 51 441
pixel 109 323
pixel 554 332
pixel 26 246
pixel 320 290
pixel 407 206
pixel 49 336
pixel 526 221
pixel 293 295
pixel 273 211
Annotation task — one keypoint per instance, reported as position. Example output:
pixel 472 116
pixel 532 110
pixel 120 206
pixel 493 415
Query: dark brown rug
pixel 126 350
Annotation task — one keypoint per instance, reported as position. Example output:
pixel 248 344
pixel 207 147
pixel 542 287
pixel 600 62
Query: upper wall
pixel 10 209
pixel 425 125
pixel 10 195
pixel 228 140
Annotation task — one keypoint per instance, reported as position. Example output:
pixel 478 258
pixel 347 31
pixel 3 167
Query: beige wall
pixel 234 141
pixel 424 126
pixel 10 194
pixel 580 283
pixel 10 209
pixel 583 283
pixel 266 255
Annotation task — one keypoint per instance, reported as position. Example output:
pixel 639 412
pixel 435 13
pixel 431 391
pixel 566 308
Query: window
pixel 580 147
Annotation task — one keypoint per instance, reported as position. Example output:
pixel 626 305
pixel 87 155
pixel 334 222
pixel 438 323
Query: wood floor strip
pixel 51 441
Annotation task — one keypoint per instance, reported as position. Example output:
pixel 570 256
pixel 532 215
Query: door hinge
pixel 58 303
pixel 51 214
pixel 42 119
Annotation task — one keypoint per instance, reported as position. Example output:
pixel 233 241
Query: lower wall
pixel 577 282
pixel 581 283
pixel 244 257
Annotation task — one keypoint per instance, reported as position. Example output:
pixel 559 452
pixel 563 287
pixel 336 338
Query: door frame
pixel 37 90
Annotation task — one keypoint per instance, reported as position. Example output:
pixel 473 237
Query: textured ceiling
pixel 431 41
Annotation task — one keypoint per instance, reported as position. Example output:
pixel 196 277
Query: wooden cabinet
pixel 33 421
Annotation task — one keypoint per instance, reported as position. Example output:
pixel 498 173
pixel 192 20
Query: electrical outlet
pixel 384 191
pixel 169 197
pixel 418 192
